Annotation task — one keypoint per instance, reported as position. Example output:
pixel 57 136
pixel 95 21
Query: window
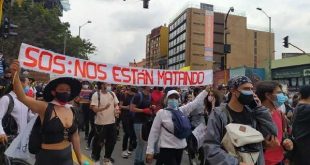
pixel 177 59
pixel 255 50
pixel 255 61
pixel 300 81
pixel 307 80
pixel 255 35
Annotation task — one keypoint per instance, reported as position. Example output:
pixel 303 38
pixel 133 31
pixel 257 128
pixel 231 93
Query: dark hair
pixel 216 96
pixel 305 92
pixel 99 85
pixel 22 79
pixel 264 87
pixel 133 89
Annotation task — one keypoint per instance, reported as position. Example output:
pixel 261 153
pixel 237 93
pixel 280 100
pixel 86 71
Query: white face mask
pixel 109 88
pixel 85 86
pixel 210 98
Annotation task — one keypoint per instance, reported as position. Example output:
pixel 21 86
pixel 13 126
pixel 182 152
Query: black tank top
pixel 54 131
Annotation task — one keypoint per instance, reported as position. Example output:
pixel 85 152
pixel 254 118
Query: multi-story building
pixel 157 48
pixel 196 39
pixel 139 64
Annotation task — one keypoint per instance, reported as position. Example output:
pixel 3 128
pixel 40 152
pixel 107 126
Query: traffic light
pixel 146 4
pixel 7 27
pixel 285 42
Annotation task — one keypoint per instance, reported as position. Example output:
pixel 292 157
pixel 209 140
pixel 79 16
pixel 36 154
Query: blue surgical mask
pixel 173 103
pixel 26 89
pixel 280 100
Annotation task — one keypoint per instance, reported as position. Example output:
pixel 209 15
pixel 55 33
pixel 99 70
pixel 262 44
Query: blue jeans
pixel 141 145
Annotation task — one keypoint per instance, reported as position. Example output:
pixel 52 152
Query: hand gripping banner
pixel 40 60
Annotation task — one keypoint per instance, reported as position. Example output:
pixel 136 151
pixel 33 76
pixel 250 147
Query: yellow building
pixel 157 48
pixel 190 36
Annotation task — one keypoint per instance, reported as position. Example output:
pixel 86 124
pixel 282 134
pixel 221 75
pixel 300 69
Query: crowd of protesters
pixel 68 108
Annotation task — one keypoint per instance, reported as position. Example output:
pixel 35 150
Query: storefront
pixel 294 76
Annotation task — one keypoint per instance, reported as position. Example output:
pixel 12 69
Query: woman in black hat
pixel 60 129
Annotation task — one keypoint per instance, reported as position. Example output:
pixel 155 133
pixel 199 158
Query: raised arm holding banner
pixel 40 60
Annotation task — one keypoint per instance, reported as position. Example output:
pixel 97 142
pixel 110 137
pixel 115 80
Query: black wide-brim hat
pixel 74 84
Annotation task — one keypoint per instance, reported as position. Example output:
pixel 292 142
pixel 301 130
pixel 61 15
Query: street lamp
pixel 269 47
pixel 82 26
pixel 226 46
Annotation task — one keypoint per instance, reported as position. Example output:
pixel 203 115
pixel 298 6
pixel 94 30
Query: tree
pixel 42 27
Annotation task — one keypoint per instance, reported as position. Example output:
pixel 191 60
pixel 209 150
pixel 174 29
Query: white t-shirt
pixel 107 116
pixel 20 112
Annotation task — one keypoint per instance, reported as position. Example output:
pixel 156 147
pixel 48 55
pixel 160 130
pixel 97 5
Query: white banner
pixel 41 60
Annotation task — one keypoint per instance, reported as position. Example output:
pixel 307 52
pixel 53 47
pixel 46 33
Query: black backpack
pixel 36 135
pixel 8 122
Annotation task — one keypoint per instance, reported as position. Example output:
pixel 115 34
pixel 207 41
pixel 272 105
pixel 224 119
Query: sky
pixel 119 28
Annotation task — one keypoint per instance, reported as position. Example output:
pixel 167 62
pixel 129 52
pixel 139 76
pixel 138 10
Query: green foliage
pixel 42 28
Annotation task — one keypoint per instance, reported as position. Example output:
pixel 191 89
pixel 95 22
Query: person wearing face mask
pixel 244 108
pixel 212 101
pixel 27 88
pixel 272 97
pixel 171 147
pixel 19 112
pixel 84 101
pixel 60 129
pixel 127 122
pixel 105 104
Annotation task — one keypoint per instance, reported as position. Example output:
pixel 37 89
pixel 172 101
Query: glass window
pixel 307 80
pixel 294 82
pixel 300 81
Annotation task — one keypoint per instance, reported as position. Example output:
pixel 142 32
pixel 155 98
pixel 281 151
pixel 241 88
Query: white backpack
pixel 242 141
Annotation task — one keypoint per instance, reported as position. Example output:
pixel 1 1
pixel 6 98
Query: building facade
pixel 139 64
pixel 190 31
pixel 292 71
pixel 157 48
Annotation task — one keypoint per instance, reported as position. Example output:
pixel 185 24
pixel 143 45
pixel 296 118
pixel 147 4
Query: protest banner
pixel 37 59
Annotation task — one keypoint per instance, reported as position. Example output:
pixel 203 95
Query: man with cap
pixel 171 147
pixel 244 108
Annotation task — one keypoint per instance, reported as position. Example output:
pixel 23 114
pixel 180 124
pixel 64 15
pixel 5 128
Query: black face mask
pixel 63 96
pixel 245 98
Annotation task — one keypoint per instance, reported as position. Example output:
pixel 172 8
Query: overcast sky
pixel 118 27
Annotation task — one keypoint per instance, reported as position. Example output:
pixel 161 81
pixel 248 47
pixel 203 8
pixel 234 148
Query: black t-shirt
pixel 126 99
pixel 141 104
pixel 244 117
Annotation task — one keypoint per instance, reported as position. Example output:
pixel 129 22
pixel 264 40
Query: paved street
pixel 117 153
